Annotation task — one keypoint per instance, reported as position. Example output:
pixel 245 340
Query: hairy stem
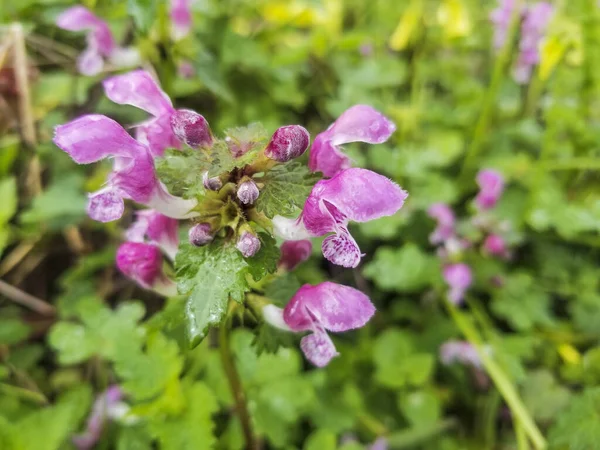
pixel 235 385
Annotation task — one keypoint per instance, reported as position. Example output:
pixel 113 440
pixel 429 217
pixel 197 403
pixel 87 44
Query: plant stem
pixel 522 443
pixel 235 385
pixel 500 379
pixel 414 437
pixel 25 299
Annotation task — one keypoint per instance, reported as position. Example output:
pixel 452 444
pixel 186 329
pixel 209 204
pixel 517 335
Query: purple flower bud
pixel 495 245
pixel 191 128
pixel 247 192
pixel 212 184
pixel 248 244
pixel 201 234
pixel 462 352
pixel 287 143
pixel 459 278
pixel 293 253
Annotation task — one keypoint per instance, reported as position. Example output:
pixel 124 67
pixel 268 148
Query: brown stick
pixel 25 299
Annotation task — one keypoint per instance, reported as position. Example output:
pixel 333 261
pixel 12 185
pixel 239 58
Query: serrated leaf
pixel 144 12
pixel 286 188
pixel 249 139
pixel 543 396
pixel 209 276
pixel 265 260
pixel 578 428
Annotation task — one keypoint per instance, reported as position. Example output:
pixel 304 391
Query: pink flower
pixel 101 44
pixel 445 222
pixel 293 253
pixel 287 143
pixel 139 89
pixel 191 128
pixel 95 137
pixel 181 18
pixel 533 28
pixel 108 405
pixel 495 245
pixel 360 123
pixel 143 263
pixel 185 70
pixel 501 17
pixel 460 351
pixel 458 277
pixel 155 228
pixel 318 309
pixel 491 187
pixel 247 192
pixel 357 195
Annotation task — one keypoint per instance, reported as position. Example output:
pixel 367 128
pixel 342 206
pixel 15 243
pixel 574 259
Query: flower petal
pixel 79 18
pixel 139 89
pixel 334 306
pixel 157 135
pixel 105 205
pixel 181 18
pixel 361 123
pixel 158 228
pixel 140 262
pixel 491 184
pixel 94 137
pixel 293 253
pixel 325 157
pixel 90 62
pixel 341 249
pixel 318 348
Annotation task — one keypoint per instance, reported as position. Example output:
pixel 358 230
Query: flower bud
pixel 247 192
pixel 200 234
pixel 212 184
pixel 287 143
pixel 191 128
pixel 248 244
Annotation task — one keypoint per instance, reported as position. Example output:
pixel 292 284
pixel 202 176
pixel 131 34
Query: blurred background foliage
pixel 427 64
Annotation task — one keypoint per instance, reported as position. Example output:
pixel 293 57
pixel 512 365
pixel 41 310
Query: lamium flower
pixel 95 137
pixel 156 228
pixel 325 307
pixel 360 123
pixel 139 89
pixel 444 216
pixel 501 17
pixel 357 195
pixel 107 405
pixel 460 351
pixel 248 244
pixel 100 41
pixel 293 253
pixel 181 18
pixel 143 263
pixel 287 143
pixel 458 277
pixel 191 128
pixel 533 28
pixel 495 245
pixel 247 192
pixel 491 187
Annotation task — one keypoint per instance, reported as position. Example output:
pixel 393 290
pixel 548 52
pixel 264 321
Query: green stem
pixel 500 379
pixel 498 74
pixel 414 437
pixel 32 396
pixel 522 443
pixel 572 164
pixel 235 385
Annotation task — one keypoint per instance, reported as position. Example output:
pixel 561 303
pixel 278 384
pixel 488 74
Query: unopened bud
pixel 191 128
pixel 248 244
pixel 247 192
pixel 212 184
pixel 287 143
pixel 200 234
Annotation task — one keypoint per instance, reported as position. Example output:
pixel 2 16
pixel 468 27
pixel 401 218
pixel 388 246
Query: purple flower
pixel 357 195
pixel 491 187
pixel 101 44
pixel 157 228
pixel 459 351
pixel 143 263
pixel 108 405
pixel 444 216
pixel 287 143
pixel 495 245
pixel 533 28
pixel 248 244
pixel 191 128
pixel 185 70
pixel 318 309
pixel 201 234
pixel 293 253
pixel 501 17
pixel 247 192
pixel 360 123
pixel 95 137
pixel 458 277
pixel 139 89
pixel 181 18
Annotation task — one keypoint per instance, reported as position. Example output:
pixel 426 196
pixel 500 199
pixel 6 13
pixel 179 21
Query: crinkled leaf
pixel 265 260
pixel 286 188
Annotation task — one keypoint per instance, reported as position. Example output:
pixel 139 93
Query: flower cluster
pixel 226 179
pixel 482 229
pixel 534 21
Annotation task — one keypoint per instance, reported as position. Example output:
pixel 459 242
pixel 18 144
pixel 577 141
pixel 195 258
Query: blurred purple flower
pixel 495 245
pixel 444 216
pixel 458 277
pixel 460 351
pixel 360 123
pixel 143 263
pixel 293 253
pixel 491 187
pixel 181 18
pixel 501 17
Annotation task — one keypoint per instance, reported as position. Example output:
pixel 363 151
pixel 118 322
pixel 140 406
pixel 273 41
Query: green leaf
pixel 321 440
pixel 8 194
pixel 193 430
pixel 578 428
pixel 12 330
pixel 248 140
pixel 265 260
pixel 286 188
pixel 544 398
pixel 421 408
pixel 143 12
pixel 404 270
pixel 207 69
pixel 209 276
